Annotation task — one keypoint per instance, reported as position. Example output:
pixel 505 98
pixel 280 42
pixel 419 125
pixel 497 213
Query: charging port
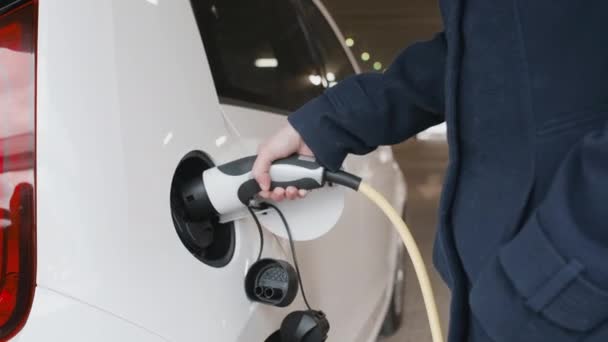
pixel 208 240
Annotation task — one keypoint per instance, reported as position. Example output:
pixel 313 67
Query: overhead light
pixel 365 56
pixel 266 63
pixel 331 84
pixel 330 76
pixel 315 79
pixel 349 42
pixel 377 66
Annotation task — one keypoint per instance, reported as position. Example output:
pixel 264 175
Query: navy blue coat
pixel 523 87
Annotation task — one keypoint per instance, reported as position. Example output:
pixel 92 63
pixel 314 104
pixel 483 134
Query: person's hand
pixel 282 144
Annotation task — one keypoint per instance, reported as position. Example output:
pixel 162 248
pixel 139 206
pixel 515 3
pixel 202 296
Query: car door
pixel 266 62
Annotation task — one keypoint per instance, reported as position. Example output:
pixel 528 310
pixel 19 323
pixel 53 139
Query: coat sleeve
pixel 551 280
pixel 371 109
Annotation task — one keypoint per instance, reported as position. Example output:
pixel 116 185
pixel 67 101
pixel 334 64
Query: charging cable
pixel 415 256
pixel 355 183
pixel 260 231
pixel 293 252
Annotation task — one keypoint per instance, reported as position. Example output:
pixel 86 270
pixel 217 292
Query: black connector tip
pixel 343 178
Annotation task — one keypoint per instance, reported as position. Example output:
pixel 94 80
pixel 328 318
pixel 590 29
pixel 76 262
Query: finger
pixel 261 169
pixel 302 193
pixel 291 192
pixel 278 194
pixel 265 194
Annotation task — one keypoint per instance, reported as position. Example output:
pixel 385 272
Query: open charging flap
pixel 309 218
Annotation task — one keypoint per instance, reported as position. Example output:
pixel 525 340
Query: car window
pixel 337 66
pixel 257 52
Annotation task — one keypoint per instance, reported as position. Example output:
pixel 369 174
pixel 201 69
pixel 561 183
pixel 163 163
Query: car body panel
pixel 124 93
pixel 117 109
pixel 55 317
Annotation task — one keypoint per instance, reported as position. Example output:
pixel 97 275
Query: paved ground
pixel 423 164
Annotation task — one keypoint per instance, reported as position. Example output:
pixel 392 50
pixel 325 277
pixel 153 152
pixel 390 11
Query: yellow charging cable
pixel 414 253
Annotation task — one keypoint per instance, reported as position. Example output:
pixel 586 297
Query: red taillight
pixel 18 27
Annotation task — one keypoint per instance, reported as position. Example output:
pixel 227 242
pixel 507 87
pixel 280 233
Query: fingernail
pixel 302 192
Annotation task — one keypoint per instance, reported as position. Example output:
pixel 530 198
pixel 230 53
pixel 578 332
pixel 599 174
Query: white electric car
pixel 99 103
